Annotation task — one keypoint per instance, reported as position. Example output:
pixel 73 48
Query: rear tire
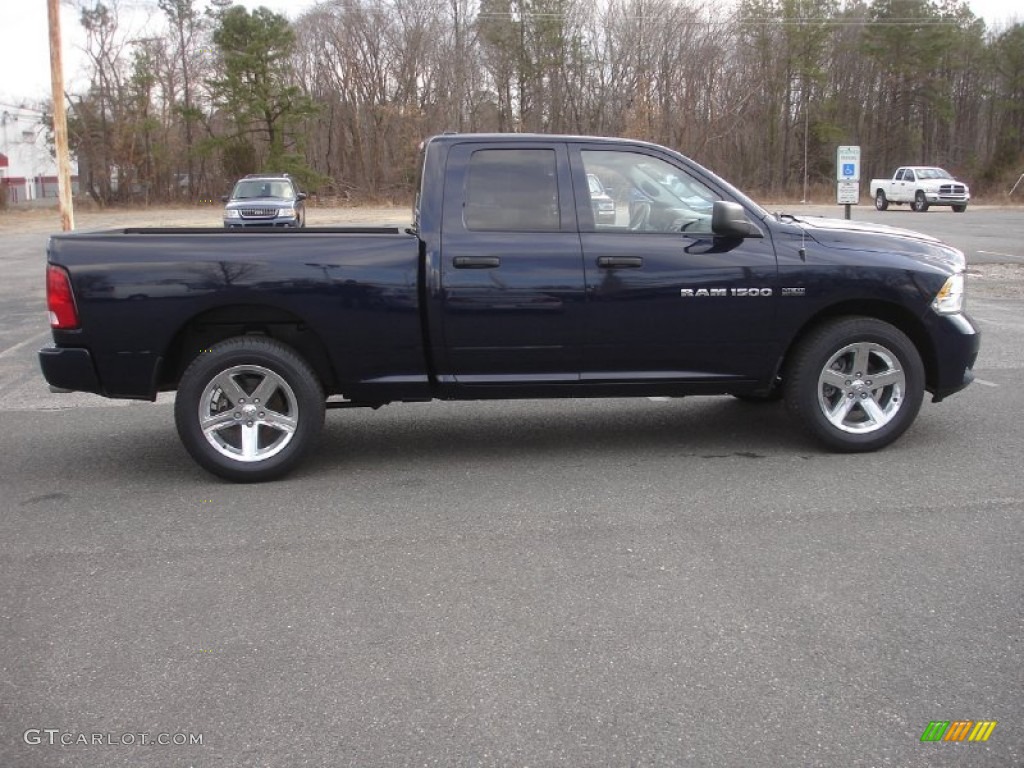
pixel 248 409
pixel 881 203
pixel 855 383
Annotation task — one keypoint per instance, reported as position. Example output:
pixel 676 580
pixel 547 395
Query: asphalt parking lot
pixel 538 583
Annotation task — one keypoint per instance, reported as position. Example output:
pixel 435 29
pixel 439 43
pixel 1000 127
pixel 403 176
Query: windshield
pixel 251 188
pixel 932 173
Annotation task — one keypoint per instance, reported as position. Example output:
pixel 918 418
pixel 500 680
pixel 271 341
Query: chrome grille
pixel 258 213
pixel 952 189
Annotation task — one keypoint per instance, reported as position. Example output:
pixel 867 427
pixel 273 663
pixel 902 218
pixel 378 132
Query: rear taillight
pixel 60 299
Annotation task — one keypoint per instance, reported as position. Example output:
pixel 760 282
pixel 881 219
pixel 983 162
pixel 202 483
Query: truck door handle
pixel 620 262
pixel 470 262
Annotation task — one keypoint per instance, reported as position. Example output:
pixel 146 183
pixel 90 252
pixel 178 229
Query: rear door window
pixel 512 190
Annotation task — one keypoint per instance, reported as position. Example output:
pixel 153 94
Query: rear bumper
pixel 69 368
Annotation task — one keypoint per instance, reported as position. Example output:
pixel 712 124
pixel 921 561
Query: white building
pixel 27 170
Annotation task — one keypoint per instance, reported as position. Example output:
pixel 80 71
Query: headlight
pixel 950 298
pixel 232 213
pixel 286 213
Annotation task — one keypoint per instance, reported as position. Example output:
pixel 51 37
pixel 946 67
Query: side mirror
pixel 302 196
pixel 730 220
pixel 224 198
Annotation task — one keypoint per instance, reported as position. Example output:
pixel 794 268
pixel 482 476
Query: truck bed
pixel 349 292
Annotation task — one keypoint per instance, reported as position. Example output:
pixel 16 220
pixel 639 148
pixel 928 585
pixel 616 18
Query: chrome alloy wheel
pixel 248 413
pixel 861 388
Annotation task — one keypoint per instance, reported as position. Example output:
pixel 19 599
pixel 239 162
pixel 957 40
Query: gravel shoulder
pixel 995 281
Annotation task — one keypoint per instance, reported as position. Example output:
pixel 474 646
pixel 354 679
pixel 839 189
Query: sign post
pixel 848 177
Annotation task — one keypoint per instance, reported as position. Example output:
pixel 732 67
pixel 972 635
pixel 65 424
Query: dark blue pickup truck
pixel 514 283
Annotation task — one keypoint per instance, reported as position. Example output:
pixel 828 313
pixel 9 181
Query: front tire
pixel 960 208
pixel 248 409
pixel 920 204
pixel 881 203
pixel 855 383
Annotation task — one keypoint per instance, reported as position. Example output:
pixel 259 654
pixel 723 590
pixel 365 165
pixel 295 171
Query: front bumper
pixel 957 342
pixel 69 368
pixel 261 223
pixel 936 198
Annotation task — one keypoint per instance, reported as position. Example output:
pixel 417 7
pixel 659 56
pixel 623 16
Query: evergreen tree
pixel 256 89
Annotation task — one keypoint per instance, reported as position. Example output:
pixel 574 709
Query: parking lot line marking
pixel 985 383
pixel 24 343
pixel 1004 255
pixel 659 399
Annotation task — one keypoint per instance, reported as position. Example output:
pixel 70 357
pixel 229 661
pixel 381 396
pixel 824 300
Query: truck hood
pixel 259 202
pixel 881 239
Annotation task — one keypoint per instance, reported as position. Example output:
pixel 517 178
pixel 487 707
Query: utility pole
pixel 60 120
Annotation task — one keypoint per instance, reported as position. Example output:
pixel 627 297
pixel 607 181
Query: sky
pixel 25 69
pixel 25 42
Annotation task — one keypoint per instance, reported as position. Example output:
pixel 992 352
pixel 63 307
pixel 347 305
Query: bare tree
pixel 762 93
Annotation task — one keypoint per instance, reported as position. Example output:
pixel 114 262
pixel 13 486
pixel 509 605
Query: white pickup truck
pixel 921 186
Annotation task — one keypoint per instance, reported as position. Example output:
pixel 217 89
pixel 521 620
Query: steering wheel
pixel 680 224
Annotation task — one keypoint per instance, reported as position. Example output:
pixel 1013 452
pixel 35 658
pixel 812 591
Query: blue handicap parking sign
pixel 848 169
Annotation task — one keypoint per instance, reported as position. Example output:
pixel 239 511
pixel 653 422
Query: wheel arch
pixel 209 327
pixel 894 314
